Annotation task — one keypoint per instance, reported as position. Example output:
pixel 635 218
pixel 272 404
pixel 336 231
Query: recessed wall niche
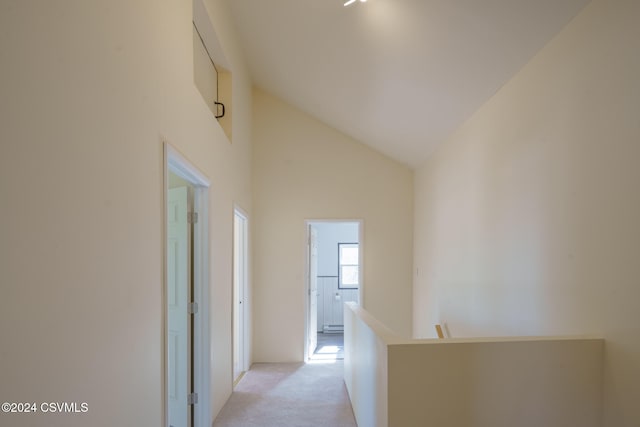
pixel 211 72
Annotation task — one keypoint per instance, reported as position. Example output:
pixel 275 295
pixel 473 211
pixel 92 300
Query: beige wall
pixel 550 381
pixel 526 220
pixel 303 169
pixel 89 91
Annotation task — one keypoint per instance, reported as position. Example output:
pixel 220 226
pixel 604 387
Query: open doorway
pixel 240 273
pixel 186 294
pixel 334 266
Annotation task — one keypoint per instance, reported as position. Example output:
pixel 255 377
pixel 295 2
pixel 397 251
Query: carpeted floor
pixel 289 394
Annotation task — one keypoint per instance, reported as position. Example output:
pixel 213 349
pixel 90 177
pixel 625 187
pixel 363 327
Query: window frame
pixel 341 285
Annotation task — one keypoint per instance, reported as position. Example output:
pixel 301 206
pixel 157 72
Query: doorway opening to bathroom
pixel 334 276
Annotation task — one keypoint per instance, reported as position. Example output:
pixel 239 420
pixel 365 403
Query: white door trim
pixel 246 303
pixel 174 162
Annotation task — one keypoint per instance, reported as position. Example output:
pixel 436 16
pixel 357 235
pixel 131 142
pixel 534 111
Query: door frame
pixel 244 333
pixel 307 272
pixel 176 163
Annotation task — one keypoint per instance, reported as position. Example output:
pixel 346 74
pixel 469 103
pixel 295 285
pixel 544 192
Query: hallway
pixel 289 394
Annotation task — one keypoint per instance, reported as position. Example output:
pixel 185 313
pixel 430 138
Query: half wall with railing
pixel 487 382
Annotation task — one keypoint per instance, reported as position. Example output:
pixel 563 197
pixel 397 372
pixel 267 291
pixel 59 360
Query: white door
pixel 178 338
pixel 313 290
pixel 239 285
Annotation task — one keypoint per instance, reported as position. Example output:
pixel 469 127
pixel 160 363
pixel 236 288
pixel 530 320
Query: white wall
pixel 292 152
pixel 329 235
pixel 526 220
pixel 89 91
pixel 366 366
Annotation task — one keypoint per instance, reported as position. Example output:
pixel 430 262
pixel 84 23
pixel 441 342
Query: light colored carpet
pixel 289 394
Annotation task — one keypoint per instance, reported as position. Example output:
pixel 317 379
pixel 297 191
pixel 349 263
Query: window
pixel 348 265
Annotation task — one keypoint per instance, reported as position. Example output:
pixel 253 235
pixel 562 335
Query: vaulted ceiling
pixel 397 75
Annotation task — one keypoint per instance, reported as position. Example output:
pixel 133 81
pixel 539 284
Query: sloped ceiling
pixel 398 75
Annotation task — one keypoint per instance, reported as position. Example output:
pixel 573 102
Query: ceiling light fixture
pixel 353 1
